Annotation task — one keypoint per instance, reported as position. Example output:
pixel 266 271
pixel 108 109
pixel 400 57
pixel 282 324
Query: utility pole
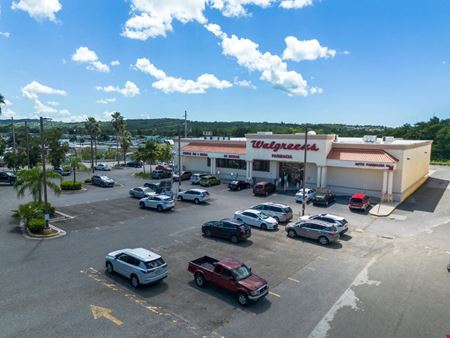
pixel 44 173
pixel 14 143
pixel 304 172
pixel 179 160
pixel 27 144
pixel 185 124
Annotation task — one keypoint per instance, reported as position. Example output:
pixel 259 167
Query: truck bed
pixel 206 262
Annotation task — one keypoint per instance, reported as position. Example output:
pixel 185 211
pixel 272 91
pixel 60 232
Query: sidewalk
pixel 383 209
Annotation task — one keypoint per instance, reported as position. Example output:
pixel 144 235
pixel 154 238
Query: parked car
pixel 141 192
pixel 324 198
pixel 158 202
pixel 359 201
pixel 209 180
pixel 281 212
pixel 256 218
pixel 165 168
pixel 135 164
pixel 7 177
pixel 339 222
pixel 309 195
pixel 102 181
pixel 62 172
pixel 102 167
pixel 263 188
pixel 195 178
pixel 185 175
pixel 238 185
pixel 230 229
pixel 313 229
pixel 158 174
pixel 160 187
pixel 140 265
pixel 231 275
pixel 195 195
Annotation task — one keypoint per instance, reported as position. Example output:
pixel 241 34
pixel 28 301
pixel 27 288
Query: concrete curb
pixel 28 235
pixel 383 210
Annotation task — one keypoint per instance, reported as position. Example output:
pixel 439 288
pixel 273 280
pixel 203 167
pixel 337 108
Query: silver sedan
pixel 141 192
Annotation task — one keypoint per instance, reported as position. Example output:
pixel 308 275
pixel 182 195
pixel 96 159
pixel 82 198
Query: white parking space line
pixel 310 268
pixel 294 280
pixel 322 258
pixel 274 294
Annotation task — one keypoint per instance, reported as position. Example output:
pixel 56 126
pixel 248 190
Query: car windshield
pixel 263 216
pixel 104 177
pixel 287 210
pixel 320 196
pixel 241 272
pixel 356 200
pixel 155 263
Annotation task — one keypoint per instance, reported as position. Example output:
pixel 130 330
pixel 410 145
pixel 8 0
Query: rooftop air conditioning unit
pixel 370 138
pixel 264 133
pixel 388 139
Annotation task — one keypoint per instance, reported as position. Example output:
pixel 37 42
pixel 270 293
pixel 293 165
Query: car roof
pixel 198 190
pixel 142 254
pixel 273 204
pixel 359 195
pixel 263 182
pixel 252 211
pixel 232 221
pixel 331 216
pixel 316 222
pixel 230 263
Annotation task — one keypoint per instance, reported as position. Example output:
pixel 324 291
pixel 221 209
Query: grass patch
pixel 70 185
pixel 440 162
pixel 145 176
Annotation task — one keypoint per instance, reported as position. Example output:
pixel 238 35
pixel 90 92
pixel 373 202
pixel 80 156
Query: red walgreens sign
pixel 275 146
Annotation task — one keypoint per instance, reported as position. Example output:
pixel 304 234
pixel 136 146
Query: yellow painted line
pixel 98 312
pixel 294 280
pixel 274 294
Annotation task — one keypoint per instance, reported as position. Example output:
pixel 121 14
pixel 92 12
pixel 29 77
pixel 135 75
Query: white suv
pixel 140 265
pixel 195 195
pixel 158 202
pixel 339 222
pixel 309 195
pixel 281 212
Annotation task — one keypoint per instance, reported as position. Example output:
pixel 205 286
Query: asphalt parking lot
pixel 386 277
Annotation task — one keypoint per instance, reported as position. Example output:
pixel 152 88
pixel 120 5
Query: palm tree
pixel 118 124
pixel 125 142
pixel 151 152
pixel 33 180
pixel 139 155
pixel 93 129
pixel 75 164
pixel 2 101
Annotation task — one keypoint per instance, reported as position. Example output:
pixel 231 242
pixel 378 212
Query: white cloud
pixel 298 50
pixel 129 90
pixel 32 92
pixel 271 67
pixel 115 63
pixel 39 9
pixel 316 90
pixel 232 8
pixel 244 83
pixel 151 18
pixel 169 84
pixel 295 4
pixel 85 55
pixel 106 101
pixel 53 103
pixel 5 34
pixel 216 30
pixel 346 52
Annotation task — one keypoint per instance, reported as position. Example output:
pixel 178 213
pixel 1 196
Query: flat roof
pixel 363 155
pixel 229 147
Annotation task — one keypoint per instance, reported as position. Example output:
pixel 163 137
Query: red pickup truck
pixel 231 275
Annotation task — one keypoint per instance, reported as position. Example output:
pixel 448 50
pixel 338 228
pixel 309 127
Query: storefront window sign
pixel 275 146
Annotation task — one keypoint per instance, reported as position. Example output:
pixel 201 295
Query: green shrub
pixel 88 181
pixel 70 185
pixel 36 224
pixel 142 175
pixel 33 210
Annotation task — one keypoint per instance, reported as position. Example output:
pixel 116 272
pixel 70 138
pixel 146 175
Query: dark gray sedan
pixel 102 181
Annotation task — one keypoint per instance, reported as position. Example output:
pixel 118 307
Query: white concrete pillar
pixel 324 177
pixel 319 176
pixel 213 166
pixel 390 184
pixel 249 170
pixel 384 186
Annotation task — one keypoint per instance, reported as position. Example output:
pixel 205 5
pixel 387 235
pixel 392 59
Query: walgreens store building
pixel 387 168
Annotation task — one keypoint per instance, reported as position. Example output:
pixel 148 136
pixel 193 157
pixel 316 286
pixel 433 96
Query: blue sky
pixel 346 61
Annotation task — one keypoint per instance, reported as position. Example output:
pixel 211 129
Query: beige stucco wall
pixel 353 180
pixel 416 164
pixel 195 164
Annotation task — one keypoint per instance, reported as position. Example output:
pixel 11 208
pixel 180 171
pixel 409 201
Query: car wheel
pixel 180 198
pixel 267 193
pixel 196 201
pixel 276 219
pixel 142 205
pixel 109 268
pixel 134 281
pixel 238 188
pixel 208 233
pixel 159 208
pixel 264 226
pixel 234 239
pixel 199 280
pixel 242 298
pixel 326 203
pixel 323 240
pixel 292 234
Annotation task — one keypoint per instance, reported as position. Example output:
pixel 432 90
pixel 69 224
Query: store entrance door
pixel 291 175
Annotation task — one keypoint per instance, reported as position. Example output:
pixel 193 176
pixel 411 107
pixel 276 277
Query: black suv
pixel 230 229
pixel 238 185
pixel 7 177
pixel 324 198
pixel 134 164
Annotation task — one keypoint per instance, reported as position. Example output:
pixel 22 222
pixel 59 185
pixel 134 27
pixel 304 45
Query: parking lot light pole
pixel 44 173
pixel 304 172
